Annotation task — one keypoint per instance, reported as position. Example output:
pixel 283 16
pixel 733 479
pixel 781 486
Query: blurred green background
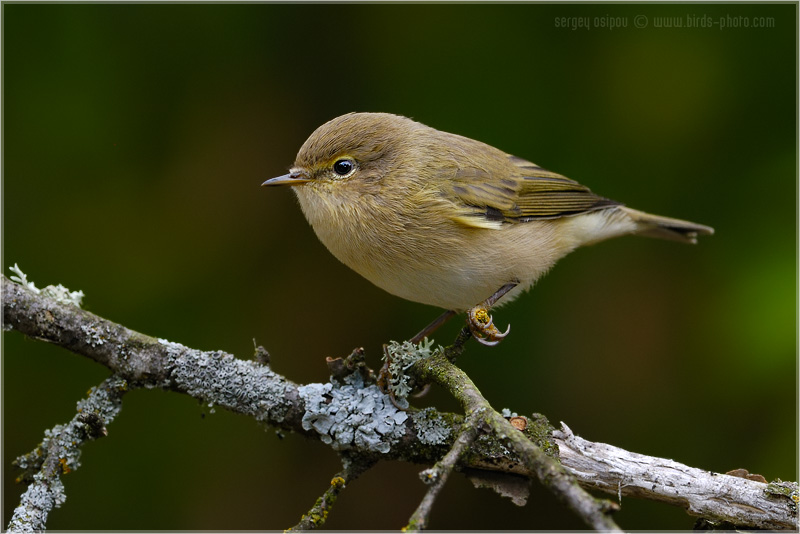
pixel 135 141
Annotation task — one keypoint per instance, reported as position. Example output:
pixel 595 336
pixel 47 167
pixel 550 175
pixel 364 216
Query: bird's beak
pixel 293 178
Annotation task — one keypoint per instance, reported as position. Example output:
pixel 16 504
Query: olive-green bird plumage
pixel 445 220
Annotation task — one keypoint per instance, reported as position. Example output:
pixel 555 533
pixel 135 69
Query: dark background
pixel 135 141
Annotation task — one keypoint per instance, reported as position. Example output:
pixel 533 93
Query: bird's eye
pixel 343 167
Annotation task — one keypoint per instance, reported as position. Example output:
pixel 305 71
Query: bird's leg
pixel 439 321
pixel 480 322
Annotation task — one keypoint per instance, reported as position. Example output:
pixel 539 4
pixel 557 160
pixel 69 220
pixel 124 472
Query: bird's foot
pixel 482 326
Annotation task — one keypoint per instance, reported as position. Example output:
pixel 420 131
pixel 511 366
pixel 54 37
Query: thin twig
pixel 437 475
pixel 318 513
pixel 548 470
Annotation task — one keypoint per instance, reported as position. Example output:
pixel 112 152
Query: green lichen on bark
pixel 540 431
pixel 789 490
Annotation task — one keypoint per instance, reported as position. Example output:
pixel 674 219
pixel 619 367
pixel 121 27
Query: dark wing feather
pixel 516 190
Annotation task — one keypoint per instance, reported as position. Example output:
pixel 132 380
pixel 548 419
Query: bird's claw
pixel 482 327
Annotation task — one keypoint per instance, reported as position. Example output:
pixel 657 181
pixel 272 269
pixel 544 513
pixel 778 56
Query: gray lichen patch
pixel 223 380
pixel 400 357
pixel 95 334
pixel 39 498
pixel 350 415
pixel 432 429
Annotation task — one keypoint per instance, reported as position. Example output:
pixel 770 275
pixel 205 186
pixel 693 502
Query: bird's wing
pixel 516 191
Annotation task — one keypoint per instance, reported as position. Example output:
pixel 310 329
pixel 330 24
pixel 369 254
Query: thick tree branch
pixel 369 427
pixel 212 376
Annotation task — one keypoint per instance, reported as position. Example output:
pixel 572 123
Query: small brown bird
pixel 444 220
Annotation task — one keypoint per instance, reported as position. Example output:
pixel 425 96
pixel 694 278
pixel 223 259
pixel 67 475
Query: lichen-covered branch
pixel 349 413
pixel 59 453
pixel 217 378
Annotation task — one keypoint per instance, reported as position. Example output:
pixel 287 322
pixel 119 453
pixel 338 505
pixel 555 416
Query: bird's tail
pixel 665 227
